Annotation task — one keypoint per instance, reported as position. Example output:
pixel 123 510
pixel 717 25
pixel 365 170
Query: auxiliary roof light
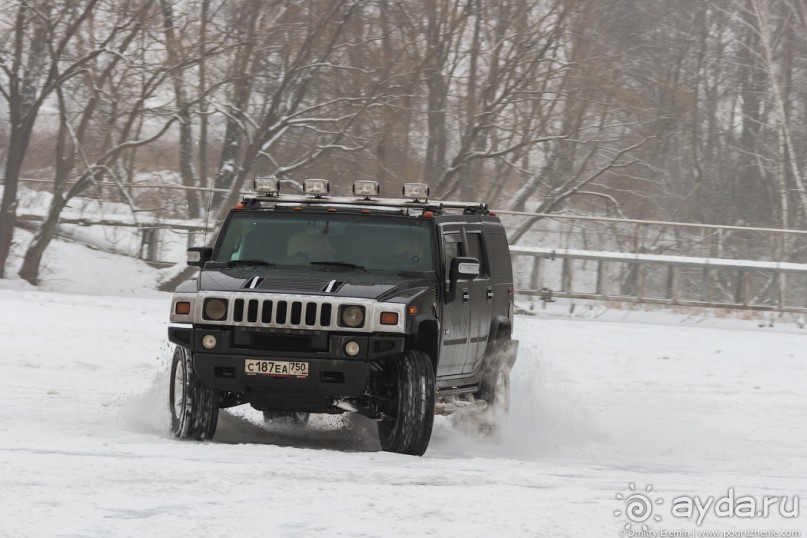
pixel 365 187
pixel 316 187
pixel 416 191
pixel 269 186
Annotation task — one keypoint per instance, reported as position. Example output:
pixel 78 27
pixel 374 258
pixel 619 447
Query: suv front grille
pixel 278 312
pixel 293 311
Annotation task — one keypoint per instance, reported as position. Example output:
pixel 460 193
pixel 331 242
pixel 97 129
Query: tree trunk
pixel 18 144
pixel 33 256
pixel 436 100
pixel 185 127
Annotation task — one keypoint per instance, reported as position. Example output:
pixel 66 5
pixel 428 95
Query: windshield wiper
pixel 233 263
pixel 342 264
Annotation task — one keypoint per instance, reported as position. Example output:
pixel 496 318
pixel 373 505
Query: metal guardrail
pixel 736 288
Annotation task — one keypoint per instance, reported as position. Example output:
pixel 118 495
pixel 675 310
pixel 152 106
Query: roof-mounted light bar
pixel 365 188
pixel 419 192
pixel 316 187
pixel 270 186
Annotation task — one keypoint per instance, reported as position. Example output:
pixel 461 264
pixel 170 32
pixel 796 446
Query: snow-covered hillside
pixel 691 406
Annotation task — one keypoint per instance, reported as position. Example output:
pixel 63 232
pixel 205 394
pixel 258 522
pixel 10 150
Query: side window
pixel 475 251
pixel 452 248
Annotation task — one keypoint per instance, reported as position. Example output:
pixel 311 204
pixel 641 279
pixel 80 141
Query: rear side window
pixel 498 254
pixel 475 251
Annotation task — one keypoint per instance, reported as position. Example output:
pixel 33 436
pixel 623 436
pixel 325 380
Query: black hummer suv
pixel 394 309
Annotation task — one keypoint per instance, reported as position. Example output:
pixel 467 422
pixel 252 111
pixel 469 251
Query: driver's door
pixel 455 322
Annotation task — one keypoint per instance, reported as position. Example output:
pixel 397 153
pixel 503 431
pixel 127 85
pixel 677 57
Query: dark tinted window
pixel 475 250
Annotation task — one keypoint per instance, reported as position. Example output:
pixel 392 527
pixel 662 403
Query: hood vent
pixel 252 283
pixel 332 286
pixel 292 284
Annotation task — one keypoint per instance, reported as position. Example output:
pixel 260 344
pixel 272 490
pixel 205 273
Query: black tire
pixel 194 407
pixel 407 425
pixel 286 417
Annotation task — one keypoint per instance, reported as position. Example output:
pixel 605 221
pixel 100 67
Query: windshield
pixel 339 240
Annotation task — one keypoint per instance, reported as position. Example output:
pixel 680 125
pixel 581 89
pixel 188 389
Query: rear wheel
pixel 494 388
pixel 409 404
pixel 194 406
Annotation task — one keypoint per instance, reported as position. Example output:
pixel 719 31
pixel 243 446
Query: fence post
pixel 536 273
pixel 672 283
pixel 601 279
pixel 566 276
pixel 740 287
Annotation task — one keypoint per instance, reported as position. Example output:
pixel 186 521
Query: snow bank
pixel 600 400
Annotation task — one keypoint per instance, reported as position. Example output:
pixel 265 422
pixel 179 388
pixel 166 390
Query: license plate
pixel 276 368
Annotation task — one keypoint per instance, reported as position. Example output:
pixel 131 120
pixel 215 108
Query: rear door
pixel 455 322
pixel 481 292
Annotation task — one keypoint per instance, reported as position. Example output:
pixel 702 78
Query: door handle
pixel 490 293
pixel 466 297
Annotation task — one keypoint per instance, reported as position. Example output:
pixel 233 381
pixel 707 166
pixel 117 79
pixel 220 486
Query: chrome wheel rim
pixel 179 387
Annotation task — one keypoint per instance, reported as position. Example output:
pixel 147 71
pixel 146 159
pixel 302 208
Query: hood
pixel 304 281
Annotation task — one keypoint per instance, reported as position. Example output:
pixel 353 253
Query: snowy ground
pixel 689 405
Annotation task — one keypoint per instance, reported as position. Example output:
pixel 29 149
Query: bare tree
pixel 92 136
pixel 34 65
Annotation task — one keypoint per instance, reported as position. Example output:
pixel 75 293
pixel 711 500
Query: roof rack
pixel 467 208
pixel 317 192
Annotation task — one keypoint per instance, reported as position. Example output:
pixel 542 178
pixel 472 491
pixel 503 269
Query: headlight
pixel 215 309
pixel 353 316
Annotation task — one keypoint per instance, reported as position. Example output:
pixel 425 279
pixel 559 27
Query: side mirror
pixel 464 269
pixel 199 256
pixel 461 268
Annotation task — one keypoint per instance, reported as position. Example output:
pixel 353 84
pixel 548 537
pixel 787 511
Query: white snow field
pixel 688 405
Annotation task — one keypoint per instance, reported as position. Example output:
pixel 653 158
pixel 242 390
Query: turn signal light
pixel 389 318
pixel 182 309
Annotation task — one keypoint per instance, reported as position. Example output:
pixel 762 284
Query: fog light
pixel 266 185
pixel 365 187
pixel 209 341
pixel 352 348
pixel 416 191
pixel 317 187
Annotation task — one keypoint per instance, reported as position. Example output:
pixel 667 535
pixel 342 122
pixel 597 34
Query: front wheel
pixel 194 406
pixel 409 411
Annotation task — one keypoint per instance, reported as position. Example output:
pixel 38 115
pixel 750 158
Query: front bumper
pixel 332 373
pixel 328 379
